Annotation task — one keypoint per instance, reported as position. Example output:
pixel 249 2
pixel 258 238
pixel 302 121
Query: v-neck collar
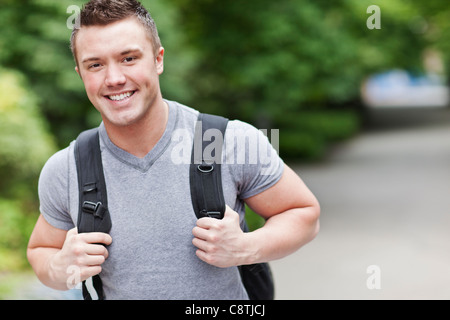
pixel 143 164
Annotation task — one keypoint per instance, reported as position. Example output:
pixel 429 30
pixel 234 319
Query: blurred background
pixel 362 114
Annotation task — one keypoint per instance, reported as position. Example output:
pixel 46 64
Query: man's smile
pixel 120 96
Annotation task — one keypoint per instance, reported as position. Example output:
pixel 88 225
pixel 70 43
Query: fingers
pixel 91 271
pixel 200 233
pixel 96 250
pixel 219 242
pixel 208 223
pixel 202 244
pixel 81 256
pixel 86 249
pixel 93 260
pixel 96 237
pixel 208 228
pixel 90 237
pixel 204 256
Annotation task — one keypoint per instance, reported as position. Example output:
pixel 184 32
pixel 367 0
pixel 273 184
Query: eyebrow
pixel 131 50
pixel 123 53
pixel 90 59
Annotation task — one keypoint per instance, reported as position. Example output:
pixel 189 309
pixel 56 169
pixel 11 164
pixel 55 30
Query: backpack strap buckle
pixel 97 209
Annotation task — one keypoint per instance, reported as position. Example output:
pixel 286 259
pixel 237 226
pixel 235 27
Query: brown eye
pixel 128 59
pixel 94 65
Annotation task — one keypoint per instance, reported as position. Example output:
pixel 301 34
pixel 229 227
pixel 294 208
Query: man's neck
pixel 140 137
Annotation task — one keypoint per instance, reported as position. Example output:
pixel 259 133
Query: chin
pixel 122 120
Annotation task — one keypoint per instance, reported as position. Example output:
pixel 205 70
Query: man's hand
pixel 291 212
pixel 83 251
pixel 221 243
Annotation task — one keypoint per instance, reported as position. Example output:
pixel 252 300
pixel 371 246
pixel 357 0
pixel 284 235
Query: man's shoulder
pixel 190 113
pixel 53 189
pixel 236 124
pixel 59 160
pixel 183 110
pixel 57 168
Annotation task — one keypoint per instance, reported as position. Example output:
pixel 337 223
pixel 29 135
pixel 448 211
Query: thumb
pixel 72 232
pixel 230 213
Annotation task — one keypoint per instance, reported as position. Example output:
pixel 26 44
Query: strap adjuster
pixel 211 214
pixel 97 209
pixel 214 214
pixel 89 187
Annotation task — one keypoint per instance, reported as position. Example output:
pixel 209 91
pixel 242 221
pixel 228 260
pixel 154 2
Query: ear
pixel 159 60
pixel 77 70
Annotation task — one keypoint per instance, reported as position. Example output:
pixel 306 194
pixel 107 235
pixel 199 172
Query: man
pixel 157 248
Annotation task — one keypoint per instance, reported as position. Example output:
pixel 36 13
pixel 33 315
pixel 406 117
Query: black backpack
pixel 206 193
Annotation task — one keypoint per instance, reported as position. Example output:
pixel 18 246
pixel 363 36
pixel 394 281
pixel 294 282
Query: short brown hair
pixel 103 12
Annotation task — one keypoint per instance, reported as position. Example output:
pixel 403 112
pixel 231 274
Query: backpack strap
pixel 93 214
pixel 208 200
pixel 206 193
pixel 205 173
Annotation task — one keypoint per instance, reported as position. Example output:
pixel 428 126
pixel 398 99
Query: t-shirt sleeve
pixel 53 191
pixel 252 158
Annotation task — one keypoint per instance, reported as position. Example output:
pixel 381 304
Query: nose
pixel 114 76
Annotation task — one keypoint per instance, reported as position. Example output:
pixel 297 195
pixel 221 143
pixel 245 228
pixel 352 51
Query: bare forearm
pixel 81 253
pixel 282 234
pixel 40 259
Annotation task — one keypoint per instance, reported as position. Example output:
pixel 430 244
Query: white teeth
pixel 121 96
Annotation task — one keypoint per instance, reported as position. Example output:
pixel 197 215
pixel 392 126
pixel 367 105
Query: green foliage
pixel 16 225
pixel 395 45
pixel 270 63
pixel 34 40
pixel 433 24
pixel 254 221
pixel 307 133
pixel 179 57
pixel 25 145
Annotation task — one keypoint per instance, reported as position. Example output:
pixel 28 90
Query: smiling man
pixel 156 249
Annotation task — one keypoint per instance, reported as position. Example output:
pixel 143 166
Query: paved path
pixel 385 201
pixel 30 288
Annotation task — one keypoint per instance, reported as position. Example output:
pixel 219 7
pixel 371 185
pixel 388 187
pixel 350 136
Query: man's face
pixel 119 70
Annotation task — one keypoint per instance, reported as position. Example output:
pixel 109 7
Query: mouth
pixel 120 96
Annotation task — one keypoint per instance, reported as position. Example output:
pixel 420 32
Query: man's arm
pixel 292 214
pixel 51 251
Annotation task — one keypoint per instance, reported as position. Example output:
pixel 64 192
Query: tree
pixel 25 145
pixel 35 42
pixel 286 64
pixel 25 142
pixel 432 23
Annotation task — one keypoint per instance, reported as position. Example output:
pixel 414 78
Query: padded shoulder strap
pixel 93 214
pixel 205 169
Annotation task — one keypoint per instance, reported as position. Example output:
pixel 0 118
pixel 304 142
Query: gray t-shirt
pixel 152 255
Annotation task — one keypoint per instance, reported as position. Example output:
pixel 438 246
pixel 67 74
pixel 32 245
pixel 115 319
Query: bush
pixel 15 228
pixel 254 221
pixel 25 145
pixel 307 134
